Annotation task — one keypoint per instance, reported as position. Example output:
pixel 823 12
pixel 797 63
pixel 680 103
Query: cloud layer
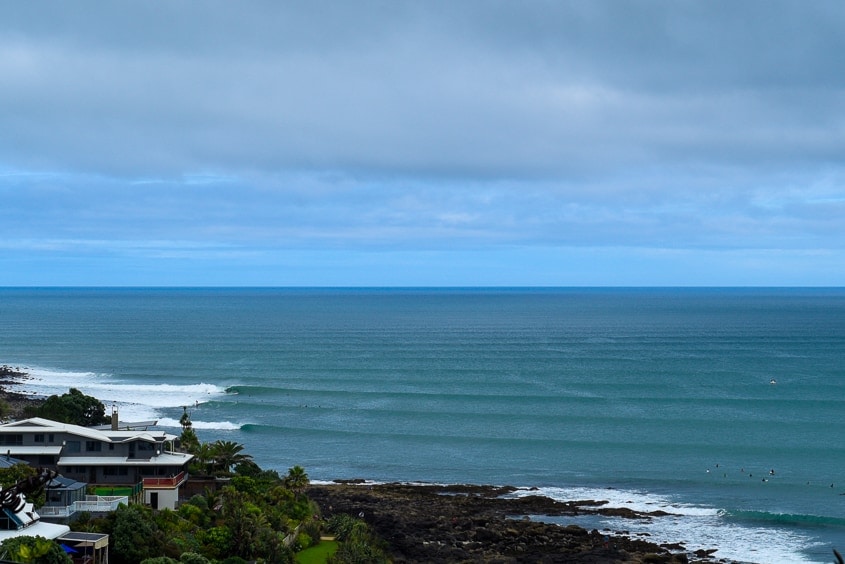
pixel 423 127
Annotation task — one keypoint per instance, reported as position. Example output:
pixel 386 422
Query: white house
pixel 141 464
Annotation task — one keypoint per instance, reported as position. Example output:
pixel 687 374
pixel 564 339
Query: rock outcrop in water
pixel 466 523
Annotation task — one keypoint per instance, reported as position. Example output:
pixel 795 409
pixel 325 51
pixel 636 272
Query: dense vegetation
pixel 36 550
pixel 258 515
pixel 73 407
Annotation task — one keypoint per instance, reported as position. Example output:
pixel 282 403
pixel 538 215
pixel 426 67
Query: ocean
pixel 721 406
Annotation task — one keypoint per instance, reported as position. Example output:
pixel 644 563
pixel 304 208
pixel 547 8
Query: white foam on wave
pixel 196 424
pixel 696 527
pixel 135 402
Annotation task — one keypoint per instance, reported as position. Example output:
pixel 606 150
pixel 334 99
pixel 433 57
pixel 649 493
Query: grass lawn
pixel 317 554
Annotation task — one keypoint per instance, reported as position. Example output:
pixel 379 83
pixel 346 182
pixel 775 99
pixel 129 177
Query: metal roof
pixel 32 450
pixel 166 459
pixel 41 425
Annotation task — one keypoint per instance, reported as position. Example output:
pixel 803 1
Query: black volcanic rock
pixel 471 523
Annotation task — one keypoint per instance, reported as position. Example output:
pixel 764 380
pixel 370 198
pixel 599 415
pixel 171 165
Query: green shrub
pixel 193 558
pixel 234 560
pixel 303 541
pixel 199 500
pixel 35 550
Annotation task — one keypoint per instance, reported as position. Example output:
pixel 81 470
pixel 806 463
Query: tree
pixel 204 457
pixel 227 454
pixel 33 550
pixel 296 480
pixel 135 535
pixel 189 440
pixel 21 471
pixel 73 407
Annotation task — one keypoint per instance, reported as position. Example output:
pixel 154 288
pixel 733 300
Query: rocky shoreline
pixel 17 403
pixel 470 523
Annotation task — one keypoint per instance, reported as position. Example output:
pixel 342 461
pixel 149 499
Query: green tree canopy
pixel 34 550
pixel 227 454
pixel 21 471
pixel 135 535
pixel 73 407
pixel 296 480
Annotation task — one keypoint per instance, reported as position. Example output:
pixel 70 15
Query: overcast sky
pixel 422 143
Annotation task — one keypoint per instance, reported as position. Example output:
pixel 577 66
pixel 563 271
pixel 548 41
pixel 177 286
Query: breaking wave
pixel 134 401
pixel 216 425
pixel 695 526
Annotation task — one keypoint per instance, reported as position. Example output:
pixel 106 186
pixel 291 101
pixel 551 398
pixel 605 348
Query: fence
pixel 92 504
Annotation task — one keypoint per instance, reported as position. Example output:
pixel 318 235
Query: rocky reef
pixel 470 523
pixel 16 403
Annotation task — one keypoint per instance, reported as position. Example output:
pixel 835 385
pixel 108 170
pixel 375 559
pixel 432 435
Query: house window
pixel 45 459
pixel 51 438
pixel 93 446
pixel 111 446
pixel 110 471
pixel 39 437
pixel 11 440
pixel 72 446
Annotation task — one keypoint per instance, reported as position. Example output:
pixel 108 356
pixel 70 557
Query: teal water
pixel 662 395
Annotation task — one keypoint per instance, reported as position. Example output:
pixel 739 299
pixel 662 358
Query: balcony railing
pixel 92 504
pixel 171 482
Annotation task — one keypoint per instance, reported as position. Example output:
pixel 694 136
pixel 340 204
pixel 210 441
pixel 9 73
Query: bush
pixel 193 558
pixel 357 542
pixel 234 560
pixel 303 541
pixel 313 529
pixel 200 501
pixel 35 550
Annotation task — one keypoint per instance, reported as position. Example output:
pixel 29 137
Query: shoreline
pixel 423 522
pixel 480 523
pixel 17 403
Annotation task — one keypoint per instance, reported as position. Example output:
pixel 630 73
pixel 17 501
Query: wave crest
pixel 216 425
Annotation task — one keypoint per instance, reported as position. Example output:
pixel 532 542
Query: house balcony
pixel 165 483
pixel 91 504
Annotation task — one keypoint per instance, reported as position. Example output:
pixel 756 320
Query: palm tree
pixel 296 480
pixel 227 454
pixel 204 456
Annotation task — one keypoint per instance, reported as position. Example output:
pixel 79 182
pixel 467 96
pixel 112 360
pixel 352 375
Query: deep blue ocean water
pixel 723 406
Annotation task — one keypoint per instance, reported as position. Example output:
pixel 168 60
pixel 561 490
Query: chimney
pixel 114 418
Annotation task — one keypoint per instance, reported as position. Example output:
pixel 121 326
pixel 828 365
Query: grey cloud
pixel 492 89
